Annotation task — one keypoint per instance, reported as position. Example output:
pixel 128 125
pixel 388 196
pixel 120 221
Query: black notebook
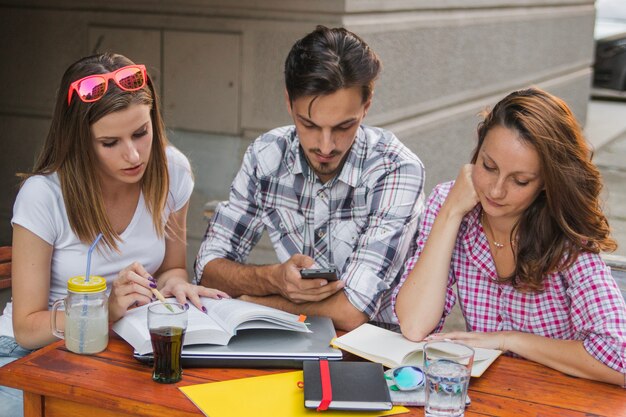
pixel 354 386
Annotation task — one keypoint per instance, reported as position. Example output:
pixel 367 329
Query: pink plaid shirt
pixel 580 303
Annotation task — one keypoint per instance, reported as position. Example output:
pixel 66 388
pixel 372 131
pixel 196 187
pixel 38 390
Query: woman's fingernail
pixel 151 278
pixel 154 298
pixel 204 309
pixel 219 297
pixel 153 285
pixel 186 306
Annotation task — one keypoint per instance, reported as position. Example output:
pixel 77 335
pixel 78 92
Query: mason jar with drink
pixel 86 315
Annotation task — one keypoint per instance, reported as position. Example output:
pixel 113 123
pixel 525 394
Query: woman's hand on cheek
pixel 132 287
pixel 463 196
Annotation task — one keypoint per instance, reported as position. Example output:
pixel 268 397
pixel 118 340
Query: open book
pixel 223 319
pixel 392 349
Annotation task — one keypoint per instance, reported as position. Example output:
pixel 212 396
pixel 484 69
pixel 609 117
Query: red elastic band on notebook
pixel 327 389
pixel 302 318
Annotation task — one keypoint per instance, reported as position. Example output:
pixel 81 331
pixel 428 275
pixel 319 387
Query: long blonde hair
pixel 68 151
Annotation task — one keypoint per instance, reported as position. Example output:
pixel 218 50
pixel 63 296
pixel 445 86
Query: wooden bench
pixel 5 267
pixel 5 276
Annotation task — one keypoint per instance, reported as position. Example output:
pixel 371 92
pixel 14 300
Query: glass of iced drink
pixel 448 366
pixel 167 323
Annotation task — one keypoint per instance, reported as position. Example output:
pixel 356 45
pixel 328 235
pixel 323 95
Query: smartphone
pixel 329 274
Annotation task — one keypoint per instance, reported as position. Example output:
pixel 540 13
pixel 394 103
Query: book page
pixel 201 328
pixel 232 314
pixel 221 322
pixel 133 328
pixel 204 329
pixel 378 345
pixel 392 349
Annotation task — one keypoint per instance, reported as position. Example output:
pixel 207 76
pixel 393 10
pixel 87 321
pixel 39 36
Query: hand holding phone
pixel 329 274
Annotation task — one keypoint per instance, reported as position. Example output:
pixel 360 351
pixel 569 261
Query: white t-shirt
pixel 39 207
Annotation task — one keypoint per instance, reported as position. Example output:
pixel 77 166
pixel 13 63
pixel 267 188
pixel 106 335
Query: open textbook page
pixel 221 322
pixel 392 349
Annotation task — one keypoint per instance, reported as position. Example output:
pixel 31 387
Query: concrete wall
pixel 218 64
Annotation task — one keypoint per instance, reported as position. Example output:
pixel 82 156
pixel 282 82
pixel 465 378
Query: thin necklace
pixel 498 245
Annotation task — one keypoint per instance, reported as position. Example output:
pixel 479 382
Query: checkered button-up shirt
pixel 363 221
pixel 582 302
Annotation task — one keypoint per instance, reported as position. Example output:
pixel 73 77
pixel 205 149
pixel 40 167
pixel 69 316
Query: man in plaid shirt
pixel 330 191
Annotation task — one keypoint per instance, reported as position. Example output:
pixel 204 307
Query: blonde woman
pixel 106 166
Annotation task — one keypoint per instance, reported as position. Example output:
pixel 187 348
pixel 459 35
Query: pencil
pixel 161 299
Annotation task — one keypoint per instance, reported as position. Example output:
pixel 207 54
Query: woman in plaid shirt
pixel 519 232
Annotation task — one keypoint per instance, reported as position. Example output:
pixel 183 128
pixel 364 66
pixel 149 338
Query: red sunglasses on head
pixel 92 87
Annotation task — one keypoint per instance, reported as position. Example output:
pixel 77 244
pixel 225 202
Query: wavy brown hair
pixel 68 150
pixel 566 218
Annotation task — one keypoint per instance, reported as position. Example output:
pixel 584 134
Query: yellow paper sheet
pixel 268 395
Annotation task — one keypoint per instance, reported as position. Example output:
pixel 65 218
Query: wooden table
pixel 59 383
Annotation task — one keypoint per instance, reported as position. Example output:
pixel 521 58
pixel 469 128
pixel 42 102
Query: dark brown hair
pixel 566 218
pixel 68 150
pixel 327 60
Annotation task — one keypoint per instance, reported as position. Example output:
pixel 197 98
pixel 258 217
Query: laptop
pixel 264 348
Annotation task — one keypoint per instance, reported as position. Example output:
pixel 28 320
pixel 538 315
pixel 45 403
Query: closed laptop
pixel 264 348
